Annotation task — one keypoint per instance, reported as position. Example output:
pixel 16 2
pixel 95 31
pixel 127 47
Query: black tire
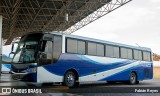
pixel 137 82
pixel 133 78
pixel 70 79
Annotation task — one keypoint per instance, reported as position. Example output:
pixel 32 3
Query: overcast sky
pixel 137 22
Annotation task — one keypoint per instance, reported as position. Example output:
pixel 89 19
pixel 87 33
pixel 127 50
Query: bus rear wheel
pixel 70 79
pixel 133 78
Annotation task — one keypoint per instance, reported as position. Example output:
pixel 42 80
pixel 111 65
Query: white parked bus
pixel 70 59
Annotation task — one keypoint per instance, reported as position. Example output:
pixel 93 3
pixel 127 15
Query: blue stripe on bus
pixel 95 62
pixel 84 66
pixel 7 66
pixel 123 75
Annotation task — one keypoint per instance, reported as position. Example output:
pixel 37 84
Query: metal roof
pixel 23 16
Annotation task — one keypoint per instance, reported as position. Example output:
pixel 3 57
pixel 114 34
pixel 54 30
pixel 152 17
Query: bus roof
pixel 109 42
pixel 100 41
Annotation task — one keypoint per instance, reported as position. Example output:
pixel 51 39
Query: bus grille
pixel 146 73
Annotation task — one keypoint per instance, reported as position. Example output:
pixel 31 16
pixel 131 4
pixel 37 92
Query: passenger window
pixel 57 48
pixel 126 53
pixel 137 55
pixel 46 55
pixel 130 56
pixel 112 51
pixel 48 50
pixel 71 46
pixel 100 49
pixel 116 52
pixel 146 56
pixel 92 48
pixel 81 47
pixel 109 51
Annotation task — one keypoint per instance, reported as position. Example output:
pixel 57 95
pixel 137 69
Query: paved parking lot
pixel 100 88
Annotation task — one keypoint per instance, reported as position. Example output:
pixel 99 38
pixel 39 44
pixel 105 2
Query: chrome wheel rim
pixel 133 78
pixel 70 79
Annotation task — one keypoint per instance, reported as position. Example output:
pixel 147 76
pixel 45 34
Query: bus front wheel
pixel 70 79
pixel 133 78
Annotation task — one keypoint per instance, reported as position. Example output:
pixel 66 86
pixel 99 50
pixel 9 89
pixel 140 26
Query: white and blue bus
pixel 6 68
pixel 70 59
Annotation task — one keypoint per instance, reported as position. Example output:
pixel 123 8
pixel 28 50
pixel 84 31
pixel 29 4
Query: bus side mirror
pixel 14 46
pixel 42 45
pixel 11 54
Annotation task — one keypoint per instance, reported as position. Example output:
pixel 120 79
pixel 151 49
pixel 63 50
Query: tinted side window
pixel 48 50
pixel 112 51
pixel 46 54
pixel 100 49
pixel 92 48
pixel 116 52
pixel 140 55
pixel 130 56
pixel 124 53
pixel 57 47
pixel 71 46
pixel 109 51
pixel 137 55
pixel 81 47
pixel 147 56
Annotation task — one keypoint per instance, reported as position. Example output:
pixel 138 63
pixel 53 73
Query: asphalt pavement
pixel 144 88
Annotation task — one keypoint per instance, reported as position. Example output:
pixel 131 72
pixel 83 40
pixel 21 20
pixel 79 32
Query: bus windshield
pixel 27 49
